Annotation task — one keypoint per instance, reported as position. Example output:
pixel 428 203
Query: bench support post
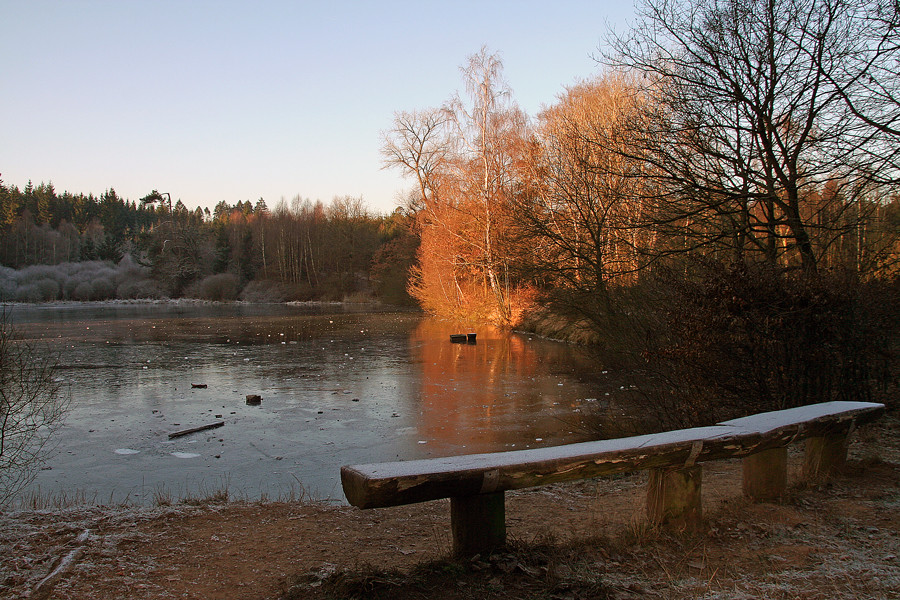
pixel 478 523
pixel 673 496
pixel 765 474
pixel 825 455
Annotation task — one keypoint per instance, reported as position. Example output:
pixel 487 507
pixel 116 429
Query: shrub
pixel 44 290
pixel 743 339
pixel 266 291
pixel 142 289
pixel 83 291
pixel 38 273
pixel 32 406
pixel 7 284
pixel 219 287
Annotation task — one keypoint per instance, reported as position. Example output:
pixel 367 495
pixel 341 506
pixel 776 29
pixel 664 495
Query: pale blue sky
pixel 226 100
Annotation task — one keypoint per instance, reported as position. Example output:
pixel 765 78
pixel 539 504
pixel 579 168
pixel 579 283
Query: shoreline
pixel 587 539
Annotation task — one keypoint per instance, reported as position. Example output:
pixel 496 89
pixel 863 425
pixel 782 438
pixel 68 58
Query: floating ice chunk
pixel 127 451
pixel 185 455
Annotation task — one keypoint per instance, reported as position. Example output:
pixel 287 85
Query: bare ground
pixel 837 540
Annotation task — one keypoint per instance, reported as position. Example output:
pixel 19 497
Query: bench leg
pixel 478 523
pixel 673 497
pixel 765 474
pixel 824 455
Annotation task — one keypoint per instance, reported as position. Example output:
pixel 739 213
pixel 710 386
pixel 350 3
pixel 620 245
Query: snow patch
pixel 185 455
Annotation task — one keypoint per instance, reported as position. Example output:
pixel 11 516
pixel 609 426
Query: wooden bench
pixel 476 483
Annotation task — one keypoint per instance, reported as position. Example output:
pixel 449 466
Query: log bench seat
pixel 476 483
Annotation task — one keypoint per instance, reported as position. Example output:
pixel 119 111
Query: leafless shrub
pixel 32 406
pixel 266 291
pixel 738 339
pixel 44 290
pixel 219 287
pixel 140 289
pixel 89 280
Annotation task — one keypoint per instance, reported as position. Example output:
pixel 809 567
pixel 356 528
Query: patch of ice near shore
pixel 127 451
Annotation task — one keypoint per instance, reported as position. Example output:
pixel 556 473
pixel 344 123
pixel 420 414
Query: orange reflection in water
pixel 500 393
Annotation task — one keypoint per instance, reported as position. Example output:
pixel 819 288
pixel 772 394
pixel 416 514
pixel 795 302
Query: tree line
pixel 761 132
pixel 722 198
pixel 300 250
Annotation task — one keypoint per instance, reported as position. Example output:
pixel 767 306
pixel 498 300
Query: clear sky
pixel 226 100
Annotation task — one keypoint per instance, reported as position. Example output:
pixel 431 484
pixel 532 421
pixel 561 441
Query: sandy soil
pixel 835 540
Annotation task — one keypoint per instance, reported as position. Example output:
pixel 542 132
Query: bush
pixel 266 291
pixel 38 273
pixel 44 290
pixel 142 289
pixel 219 287
pixel 83 291
pixel 7 284
pixel 743 339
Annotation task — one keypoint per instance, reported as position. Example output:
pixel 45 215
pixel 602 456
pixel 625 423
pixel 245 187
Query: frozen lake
pixel 340 385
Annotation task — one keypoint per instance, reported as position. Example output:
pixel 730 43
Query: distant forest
pixel 65 246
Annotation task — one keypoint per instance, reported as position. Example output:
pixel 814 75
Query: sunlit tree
pixel 463 158
pixel 579 223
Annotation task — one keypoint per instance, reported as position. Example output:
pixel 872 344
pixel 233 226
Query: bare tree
pixel 489 130
pixel 32 405
pixel 866 77
pixel 418 145
pixel 746 124
pixel 578 223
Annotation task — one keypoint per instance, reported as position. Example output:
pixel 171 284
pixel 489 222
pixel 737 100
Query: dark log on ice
pixel 176 434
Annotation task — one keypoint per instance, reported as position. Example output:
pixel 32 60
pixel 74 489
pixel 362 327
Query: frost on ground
pixel 836 540
pixel 33 543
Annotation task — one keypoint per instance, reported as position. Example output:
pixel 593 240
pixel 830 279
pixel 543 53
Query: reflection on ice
pixel 352 387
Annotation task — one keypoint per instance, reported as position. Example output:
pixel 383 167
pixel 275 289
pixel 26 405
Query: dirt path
pixel 840 540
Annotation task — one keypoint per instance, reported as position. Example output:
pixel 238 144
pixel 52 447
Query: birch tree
pixel 462 157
